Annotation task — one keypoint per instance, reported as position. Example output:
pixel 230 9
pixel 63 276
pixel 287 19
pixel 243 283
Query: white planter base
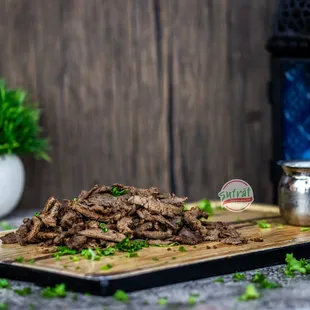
pixel 12 181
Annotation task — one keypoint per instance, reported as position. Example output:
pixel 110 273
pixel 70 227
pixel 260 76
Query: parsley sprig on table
pixel 249 293
pixel 4 283
pixel 58 291
pixel 192 299
pixel 238 276
pixel 263 224
pixel 296 266
pixel 305 229
pixel 163 301
pixel 121 296
pixel 263 282
pixel 24 291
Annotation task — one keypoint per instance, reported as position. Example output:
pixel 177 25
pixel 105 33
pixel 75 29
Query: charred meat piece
pixel 71 218
pixel 161 235
pixel 85 194
pixel 110 235
pixel 187 236
pixel 87 212
pixel 123 226
pixel 46 235
pixel 9 238
pixel 76 242
pixel 49 204
pixel 156 206
pixel 35 228
pixel 49 218
pixel 192 218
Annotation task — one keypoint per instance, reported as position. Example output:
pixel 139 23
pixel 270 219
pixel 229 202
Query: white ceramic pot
pixel 12 181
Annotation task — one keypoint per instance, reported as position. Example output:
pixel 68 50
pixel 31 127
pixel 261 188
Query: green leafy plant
pixel 19 125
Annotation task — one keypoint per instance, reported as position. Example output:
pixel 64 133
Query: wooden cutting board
pixel 172 266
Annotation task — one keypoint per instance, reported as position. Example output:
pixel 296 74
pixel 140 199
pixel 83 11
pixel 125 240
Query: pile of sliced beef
pixel 138 214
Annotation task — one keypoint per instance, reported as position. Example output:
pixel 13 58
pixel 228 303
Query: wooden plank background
pixel 169 93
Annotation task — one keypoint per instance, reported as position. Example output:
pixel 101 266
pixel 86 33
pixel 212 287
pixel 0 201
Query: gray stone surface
pixel 294 294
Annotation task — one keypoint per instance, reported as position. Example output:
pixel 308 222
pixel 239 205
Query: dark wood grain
pixel 148 92
pixel 221 117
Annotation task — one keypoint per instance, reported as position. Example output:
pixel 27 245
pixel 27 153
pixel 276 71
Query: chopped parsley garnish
pixel 36 214
pixel 116 191
pixel 205 205
pixel 127 245
pixel 249 293
pixel 163 301
pixel 132 254
pixel 294 265
pixel 121 296
pixel 74 199
pixel 19 259
pixel 6 226
pixel 4 283
pixel 220 208
pixel 304 228
pixel 51 292
pixel 75 258
pixel 155 259
pixel 194 246
pixel 31 261
pixel 105 252
pixel 174 257
pixel 90 254
pixel 64 250
pixel 182 249
pixel 238 276
pixel 263 224
pixel 3 306
pixel 238 220
pixel 102 226
pixel 173 244
pixel 263 282
pixel 106 267
pixel 280 226
pixel 192 299
pixel 24 291
pixel 219 280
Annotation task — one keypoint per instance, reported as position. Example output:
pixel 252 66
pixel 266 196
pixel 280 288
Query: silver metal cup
pixel 294 192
